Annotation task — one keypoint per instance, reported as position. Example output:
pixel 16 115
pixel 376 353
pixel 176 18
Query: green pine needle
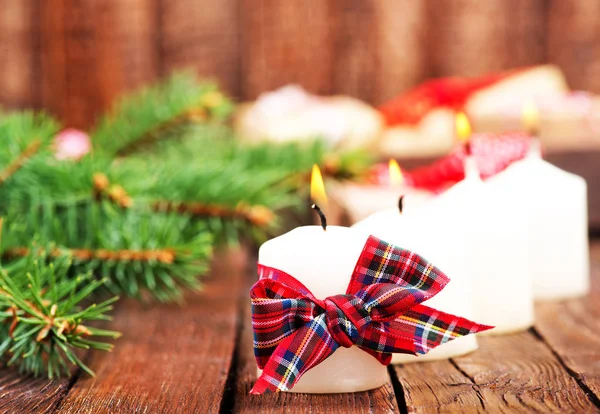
pixel 43 320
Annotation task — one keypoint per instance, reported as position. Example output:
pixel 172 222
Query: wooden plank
pixel 26 394
pixel 381 400
pixel 19 47
pixel 287 42
pixel 380 51
pixel 471 37
pixel 572 327
pixel 518 372
pixel 170 357
pixel 438 386
pixel 92 51
pixel 204 36
pixel 573 41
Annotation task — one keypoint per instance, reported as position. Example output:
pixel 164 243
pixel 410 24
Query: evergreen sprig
pixel 42 319
pixel 23 136
pixel 157 111
pixel 135 252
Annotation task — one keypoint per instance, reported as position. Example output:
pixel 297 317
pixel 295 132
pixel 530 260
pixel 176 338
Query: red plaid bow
pixel 380 313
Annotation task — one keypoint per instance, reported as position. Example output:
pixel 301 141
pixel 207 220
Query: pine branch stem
pixel 192 115
pixel 18 162
pixel 166 256
pixel 257 215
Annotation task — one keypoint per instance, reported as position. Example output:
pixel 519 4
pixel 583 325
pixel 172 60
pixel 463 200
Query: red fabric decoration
pixel 492 152
pixel 452 93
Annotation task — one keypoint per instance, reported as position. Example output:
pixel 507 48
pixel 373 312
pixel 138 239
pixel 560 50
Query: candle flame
pixel 463 127
pixel 395 173
pixel 530 116
pixel 317 187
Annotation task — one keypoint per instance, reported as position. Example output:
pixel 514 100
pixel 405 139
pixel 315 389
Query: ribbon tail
pixel 429 328
pixel 304 349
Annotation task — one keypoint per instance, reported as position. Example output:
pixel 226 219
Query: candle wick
pixel 321 216
pixel 401 204
pixel 468 149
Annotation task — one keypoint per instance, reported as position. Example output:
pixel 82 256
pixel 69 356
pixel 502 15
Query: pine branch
pixel 135 251
pixel 42 320
pixel 153 112
pixel 23 136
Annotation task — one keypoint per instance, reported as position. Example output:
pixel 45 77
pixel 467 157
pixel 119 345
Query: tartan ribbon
pixel 493 153
pixel 380 313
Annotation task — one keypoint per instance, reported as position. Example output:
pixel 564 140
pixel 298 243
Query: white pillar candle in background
pixel 324 261
pixel 436 231
pixel 556 204
pixel 499 258
pixel 359 201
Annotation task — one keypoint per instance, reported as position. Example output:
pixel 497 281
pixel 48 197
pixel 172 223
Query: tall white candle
pixel 555 202
pixel 324 261
pixel 435 231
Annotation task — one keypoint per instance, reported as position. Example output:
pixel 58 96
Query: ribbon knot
pixel 381 313
pixel 345 316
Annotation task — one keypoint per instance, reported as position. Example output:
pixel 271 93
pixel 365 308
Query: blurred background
pixel 74 57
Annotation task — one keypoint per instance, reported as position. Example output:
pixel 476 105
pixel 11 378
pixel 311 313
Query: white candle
pixel 436 232
pixel 324 262
pixel 497 242
pixel 555 202
pixel 359 201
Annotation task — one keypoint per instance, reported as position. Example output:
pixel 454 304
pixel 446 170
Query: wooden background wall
pixel 74 57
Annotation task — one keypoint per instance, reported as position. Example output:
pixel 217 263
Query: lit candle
pixel 495 241
pixel 436 231
pixel 323 259
pixel 555 203
pixel 497 245
pixel 360 201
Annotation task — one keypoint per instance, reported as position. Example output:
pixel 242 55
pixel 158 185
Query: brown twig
pixel 257 215
pixel 18 162
pixel 115 192
pixel 191 115
pixel 166 256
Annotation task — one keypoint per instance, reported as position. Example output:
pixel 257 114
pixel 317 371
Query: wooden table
pixel 198 358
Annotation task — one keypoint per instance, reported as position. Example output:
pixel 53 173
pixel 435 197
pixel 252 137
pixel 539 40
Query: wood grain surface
pixel 74 57
pixel 91 52
pixel 381 400
pixel 571 329
pixel 476 37
pixel 437 386
pixel 285 42
pixel 573 41
pixel 19 53
pixel 516 373
pixel 25 394
pixel 198 359
pixel 170 358
pixel 201 35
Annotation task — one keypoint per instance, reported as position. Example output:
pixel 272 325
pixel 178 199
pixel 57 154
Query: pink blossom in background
pixel 72 144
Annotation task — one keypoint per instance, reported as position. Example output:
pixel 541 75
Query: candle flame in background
pixel 395 173
pixel 531 117
pixel 463 127
pixel 317 187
